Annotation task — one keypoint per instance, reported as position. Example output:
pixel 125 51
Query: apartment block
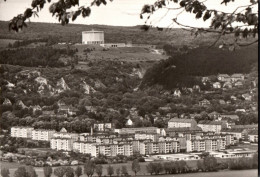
pixel 42 135
pixel 65 144
pixel 210 126
pixel 201 145
pixel 180 123
pixel 21 132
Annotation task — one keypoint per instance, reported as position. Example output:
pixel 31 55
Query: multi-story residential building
pixel 238 133
pixel 21 132
pixel 103 126
pixel 201 145
pixel 145 136
pixel 182 131
pixel 85 147
pixel 65 144
pixel 213 126
pixel 149 147
pixel 64 134
pixel 134 130
pixel 63 140
pixel 169 147
pixel 42 134
pixel 180 123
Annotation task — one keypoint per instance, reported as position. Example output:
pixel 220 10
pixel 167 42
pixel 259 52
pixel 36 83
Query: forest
pixel 38 56
pixel 180 70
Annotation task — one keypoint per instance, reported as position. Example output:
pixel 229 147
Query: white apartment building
pixel 42 135
pixel 210 126
pixel 64 134
pixel 139 129
pixel 180 123
pixel 103 126
pixel 201 145
pixel 21 132
pixel 146 136
pixel 65 144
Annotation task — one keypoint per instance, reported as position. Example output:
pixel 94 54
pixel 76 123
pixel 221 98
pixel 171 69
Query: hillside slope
pixel 180 70
pixel 72 33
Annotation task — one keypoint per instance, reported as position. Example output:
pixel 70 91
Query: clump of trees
pixel 244 163
pixel 181 70
pixel 27 171
pixel 34 57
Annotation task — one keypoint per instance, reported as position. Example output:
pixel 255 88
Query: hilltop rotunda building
pixel 93 37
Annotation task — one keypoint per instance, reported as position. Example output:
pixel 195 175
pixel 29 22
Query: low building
pixel 142 129
pixel 103 126
pixel 216 85
pixel 7 102
pixel 238 133
pixel 42 134
pixel 238 84
pixel 113 45
pixel 210 126
pixel 129 122
pixel 146 136
pixel 179 123
pixel 224 78
pixel 253 136
pixel 232 117
pixel 237 77
pixel 21 132
pixel 227 85
pixel 247 97
pixel 204 102
pixel 172 132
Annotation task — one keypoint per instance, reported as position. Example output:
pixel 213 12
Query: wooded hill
pixel 72 33
pixel 181 70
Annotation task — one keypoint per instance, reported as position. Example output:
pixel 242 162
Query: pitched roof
pixel 253 126
pixel 253 132
pixel 182 120
pixel 235 130
pixel 237 75
pixel 223 75
pixel 230 116
pixel 208 122
pixel 183 129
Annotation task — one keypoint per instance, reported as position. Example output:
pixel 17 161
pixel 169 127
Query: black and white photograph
pixel 121 88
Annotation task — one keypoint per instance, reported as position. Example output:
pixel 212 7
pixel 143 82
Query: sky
pixel 117 13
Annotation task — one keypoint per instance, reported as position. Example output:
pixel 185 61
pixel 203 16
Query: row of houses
pixel 145 140
pixel 232 78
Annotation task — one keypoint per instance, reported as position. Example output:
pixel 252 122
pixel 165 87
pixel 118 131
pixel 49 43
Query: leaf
pixel 207 15
pixel 182 3
pixel 76 14
pixel 28 13
pixel 86 12
pixel 199 14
